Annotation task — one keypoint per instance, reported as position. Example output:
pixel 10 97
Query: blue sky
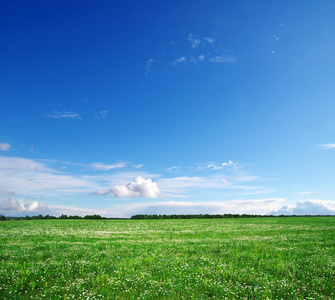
pixel 127 107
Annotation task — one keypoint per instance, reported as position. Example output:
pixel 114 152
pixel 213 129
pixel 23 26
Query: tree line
pixel 199 216
pixel 48 217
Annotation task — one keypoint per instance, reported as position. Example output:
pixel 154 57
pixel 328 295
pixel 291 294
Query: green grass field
pixel 259 258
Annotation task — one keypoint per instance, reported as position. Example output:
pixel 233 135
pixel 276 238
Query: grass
pixel 260 258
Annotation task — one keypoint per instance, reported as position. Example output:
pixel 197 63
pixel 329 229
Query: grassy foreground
pixel 261 258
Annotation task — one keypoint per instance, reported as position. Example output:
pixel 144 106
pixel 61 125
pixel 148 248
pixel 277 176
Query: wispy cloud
pixel 149 65
pixel 252 206
pixel 66 114
pixel 179 60
pixel 210 40
pixel 104 167
pixel 229 164
pixel 303 193
pixel 223 59
pixel 201 57
pixel 326 146
pixel 196 50
pixel 174 168
pixel 102 114
pixel 137 167
pixel 195 43
pixel 5 146
pixel 34 177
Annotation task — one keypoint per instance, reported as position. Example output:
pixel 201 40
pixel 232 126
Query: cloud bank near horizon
pixel 269 206
pixel 309 207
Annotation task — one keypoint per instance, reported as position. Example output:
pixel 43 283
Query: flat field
pixel 259 258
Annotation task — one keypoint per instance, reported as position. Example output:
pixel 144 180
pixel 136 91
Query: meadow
pixel 255 258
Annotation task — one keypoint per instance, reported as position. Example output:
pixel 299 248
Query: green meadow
pixel 254 258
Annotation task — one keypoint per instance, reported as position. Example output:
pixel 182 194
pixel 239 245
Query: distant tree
pixel 49 217
pixel 63 217
pixel 27 218
pixel 93 217
pixel 2 218
pixel 74 217
pixel 39 217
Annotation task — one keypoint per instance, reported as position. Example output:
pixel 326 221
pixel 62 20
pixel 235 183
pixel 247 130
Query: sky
pixel 132 107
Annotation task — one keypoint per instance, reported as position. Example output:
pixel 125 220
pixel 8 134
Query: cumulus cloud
pixel 140 187
pixel 14 205
pixel 104 167
pixel 309 207
pixel 4 146
pixel 326 146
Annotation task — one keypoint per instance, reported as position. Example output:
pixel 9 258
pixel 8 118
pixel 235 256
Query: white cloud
pixel 137 166
pixel 102 114
pixel 326 146
pixel 303 193
pixel 195 43
pixel 174 168
pixel 140 187
pixel 223 165
pixel 63 115
pixel 182 59
pixel 149 65
pixel 21 164
pixel 202 57
pixel 309 207
pixel 29 176
pixel 223 59
pixel 4 146
pixel 14 206
pixel 101 166
pixel 209 40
